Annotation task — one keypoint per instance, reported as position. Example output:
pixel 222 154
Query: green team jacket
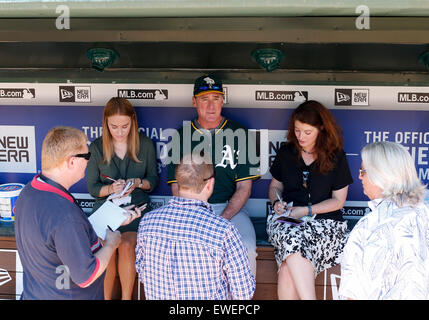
pixel 229 146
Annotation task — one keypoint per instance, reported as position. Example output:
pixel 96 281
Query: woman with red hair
pixel 312 172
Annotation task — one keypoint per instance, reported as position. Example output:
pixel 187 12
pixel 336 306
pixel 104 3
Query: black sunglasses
pixel 86 156
pixel 212 176
pixel 305 175
pixel 207 87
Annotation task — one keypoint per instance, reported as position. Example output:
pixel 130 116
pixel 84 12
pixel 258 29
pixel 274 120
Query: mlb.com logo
pixel 352 97
pixel 18 93
pixel 74 94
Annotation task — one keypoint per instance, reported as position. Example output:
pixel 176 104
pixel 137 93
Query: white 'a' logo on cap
pixel 209 81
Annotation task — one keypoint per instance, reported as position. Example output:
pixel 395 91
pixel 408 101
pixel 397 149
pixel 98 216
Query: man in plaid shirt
pixel 186 251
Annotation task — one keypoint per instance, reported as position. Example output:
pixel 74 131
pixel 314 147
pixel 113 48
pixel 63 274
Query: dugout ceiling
pixel 318 49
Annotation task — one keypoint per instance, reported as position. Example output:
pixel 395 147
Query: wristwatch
pixel 140 184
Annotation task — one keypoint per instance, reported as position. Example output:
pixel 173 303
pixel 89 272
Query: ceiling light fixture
pixel 101 58
pixel 268 58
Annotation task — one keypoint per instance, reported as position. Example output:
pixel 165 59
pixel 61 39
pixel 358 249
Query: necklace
pixel 306 151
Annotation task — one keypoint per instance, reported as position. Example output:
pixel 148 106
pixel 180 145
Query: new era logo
pixel 352 97
pixel 75 94
pixel 65 94
pixel 341 97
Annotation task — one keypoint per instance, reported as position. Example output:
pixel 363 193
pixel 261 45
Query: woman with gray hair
pixel 387 253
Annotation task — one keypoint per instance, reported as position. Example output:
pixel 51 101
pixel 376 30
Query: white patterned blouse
pixel 387 254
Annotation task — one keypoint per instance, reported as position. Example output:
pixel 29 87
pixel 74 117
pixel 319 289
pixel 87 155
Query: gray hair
pixel 390 167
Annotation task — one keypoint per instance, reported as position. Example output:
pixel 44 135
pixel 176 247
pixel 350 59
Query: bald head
pixel 193 176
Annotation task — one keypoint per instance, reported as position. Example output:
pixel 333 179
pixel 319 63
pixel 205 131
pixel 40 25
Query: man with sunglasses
pixel 61 255
pixel 227 142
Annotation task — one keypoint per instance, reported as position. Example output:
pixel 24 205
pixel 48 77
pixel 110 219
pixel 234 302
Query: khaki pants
pixel 245 227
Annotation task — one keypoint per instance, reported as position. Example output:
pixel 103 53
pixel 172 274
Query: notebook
pixel 109 214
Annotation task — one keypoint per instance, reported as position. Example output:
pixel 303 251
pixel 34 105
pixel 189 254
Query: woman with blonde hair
pixel 387 252
pixel 121 155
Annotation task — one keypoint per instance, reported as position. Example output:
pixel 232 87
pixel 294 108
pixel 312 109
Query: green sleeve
pixel 171 177
pixel 152 165
pixel 176 145
pixel 249 170
pixel 93 180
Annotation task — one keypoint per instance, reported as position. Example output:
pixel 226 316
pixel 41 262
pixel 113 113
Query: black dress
pixel 320 240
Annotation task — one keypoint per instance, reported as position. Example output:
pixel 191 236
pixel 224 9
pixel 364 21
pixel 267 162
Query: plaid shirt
pixel 185 251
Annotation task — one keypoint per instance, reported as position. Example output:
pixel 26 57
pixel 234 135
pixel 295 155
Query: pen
pixel 278 196
pixel 107 177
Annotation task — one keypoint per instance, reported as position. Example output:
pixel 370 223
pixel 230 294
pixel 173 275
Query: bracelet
pixel 310 211
pixel 275 201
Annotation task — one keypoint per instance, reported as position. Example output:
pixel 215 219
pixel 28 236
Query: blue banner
pixel 360 127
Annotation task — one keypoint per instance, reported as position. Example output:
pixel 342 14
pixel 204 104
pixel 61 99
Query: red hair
pixel 329 139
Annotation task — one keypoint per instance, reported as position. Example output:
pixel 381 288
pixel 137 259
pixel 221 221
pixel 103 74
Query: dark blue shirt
pixel 56 244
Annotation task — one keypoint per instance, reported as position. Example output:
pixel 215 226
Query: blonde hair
pixel 120 106
pixel 61 143
pixel 193 176
pixel 390 167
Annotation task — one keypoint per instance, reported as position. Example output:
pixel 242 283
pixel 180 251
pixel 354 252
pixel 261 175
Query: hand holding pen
pixel 132 212
pixel 134 184
pixel 117 186
pixel 113 238
pixel 279 206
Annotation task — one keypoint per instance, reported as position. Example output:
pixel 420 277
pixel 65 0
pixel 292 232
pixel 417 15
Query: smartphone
pixel 127 206
pixel 128 185
pixel 289 220
pixel 141 206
